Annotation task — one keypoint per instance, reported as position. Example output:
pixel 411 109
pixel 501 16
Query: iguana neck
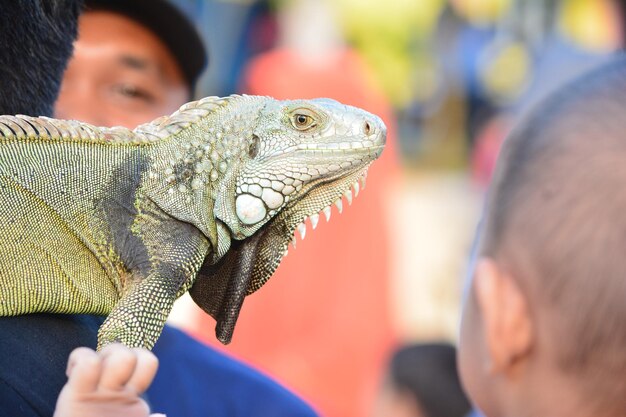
pixel 190 167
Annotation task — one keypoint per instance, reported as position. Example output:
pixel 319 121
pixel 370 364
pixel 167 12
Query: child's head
pixel 544 323
pixel 422 381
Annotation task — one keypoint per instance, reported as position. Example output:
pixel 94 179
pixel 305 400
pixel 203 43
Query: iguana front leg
pixel 164 255
pixel 138 318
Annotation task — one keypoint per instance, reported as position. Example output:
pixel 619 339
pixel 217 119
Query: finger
pixel 147 365
pixel 118 365
pixel 84 367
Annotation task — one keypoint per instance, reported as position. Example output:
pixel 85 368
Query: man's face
pixel 120 74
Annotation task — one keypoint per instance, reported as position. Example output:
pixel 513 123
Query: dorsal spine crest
pixel 44 128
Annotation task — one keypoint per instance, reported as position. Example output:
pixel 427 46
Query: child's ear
pixel 506 317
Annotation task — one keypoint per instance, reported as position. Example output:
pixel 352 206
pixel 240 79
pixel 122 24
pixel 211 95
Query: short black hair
pixel 429 373
pixel 170 25
pixel 36 42
pixel 556 219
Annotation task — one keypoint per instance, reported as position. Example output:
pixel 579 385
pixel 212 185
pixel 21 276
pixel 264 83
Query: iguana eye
pixel 302 121
pixel 253 149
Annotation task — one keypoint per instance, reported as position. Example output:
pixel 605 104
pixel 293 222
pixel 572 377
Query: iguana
pixel 112 221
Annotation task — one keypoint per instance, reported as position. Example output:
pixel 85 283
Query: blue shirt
pixel 195 380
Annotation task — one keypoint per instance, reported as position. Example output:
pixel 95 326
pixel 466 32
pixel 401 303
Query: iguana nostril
pixel 367 128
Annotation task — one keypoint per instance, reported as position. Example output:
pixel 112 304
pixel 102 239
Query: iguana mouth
pixel 346 148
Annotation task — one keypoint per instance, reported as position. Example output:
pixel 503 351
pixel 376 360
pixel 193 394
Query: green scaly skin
pixel 116 222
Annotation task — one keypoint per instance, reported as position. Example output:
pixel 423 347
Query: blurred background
pixel 450 78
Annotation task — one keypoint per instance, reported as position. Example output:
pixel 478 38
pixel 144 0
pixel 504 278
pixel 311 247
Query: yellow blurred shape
pixel 481 12
pixel 506 71
pixel 593 24
pixel 387 34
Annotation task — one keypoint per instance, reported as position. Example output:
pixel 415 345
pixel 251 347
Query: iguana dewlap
pixel 119 222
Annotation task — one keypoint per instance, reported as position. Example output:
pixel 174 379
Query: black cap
pixel 174 29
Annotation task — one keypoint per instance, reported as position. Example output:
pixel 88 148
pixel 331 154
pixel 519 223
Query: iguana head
pixel 302 156
pixel 292 161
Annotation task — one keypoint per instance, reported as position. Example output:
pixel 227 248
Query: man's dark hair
pixel 428 372
pixel 556 220
pixel 36 40
pixel 171 25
